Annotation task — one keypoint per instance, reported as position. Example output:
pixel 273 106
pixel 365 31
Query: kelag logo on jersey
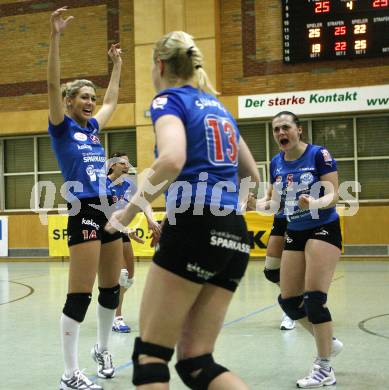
pixel 94 138
pixel 80 136
pixel 160 102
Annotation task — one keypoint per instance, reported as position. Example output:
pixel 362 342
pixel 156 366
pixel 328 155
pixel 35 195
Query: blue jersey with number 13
pixel 212 146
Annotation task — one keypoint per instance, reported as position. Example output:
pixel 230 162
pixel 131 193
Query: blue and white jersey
pixel 121 192
pixel 80 155
pixel 291 179
pixel 212 148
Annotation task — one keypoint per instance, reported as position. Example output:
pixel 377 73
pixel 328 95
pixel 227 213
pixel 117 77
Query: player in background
pixel 122 189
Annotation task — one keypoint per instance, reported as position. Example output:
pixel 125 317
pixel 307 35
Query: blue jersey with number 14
pixel 212 147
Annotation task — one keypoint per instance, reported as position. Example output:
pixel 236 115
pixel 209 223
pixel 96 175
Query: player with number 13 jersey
pixel 214 156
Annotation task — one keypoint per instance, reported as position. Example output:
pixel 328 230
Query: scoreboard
pixel 316 30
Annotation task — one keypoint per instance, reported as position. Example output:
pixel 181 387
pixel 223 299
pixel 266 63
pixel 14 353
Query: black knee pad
pixel 109 297
pixel 76 305
pixel 313 302
pixel 209 371
pixel 293 307
pixel 150 372
pixel 272 274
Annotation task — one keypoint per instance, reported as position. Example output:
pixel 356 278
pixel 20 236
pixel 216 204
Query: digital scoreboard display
pixel 315 30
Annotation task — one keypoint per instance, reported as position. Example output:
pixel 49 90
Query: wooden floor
pixel 251 344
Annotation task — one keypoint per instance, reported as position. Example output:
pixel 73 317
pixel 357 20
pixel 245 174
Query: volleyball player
pixel 74 129
pixel 204 246
pixel 305 177
pixel 122 189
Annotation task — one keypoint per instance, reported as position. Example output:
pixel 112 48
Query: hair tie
pixel 198 66
pixel 189 52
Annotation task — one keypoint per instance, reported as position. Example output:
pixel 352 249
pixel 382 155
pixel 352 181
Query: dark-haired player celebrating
pixel 305 178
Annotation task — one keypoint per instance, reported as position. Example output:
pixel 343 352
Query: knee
pixel 109 297
pixel 76 305
pixel 150 372
pixel 272 269
pixel 293 307
pixel 273 275
pixel 198 372
pixel 314 302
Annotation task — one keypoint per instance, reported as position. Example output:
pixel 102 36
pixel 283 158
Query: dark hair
pixel 294 116
pixel 113 155
pixel 118 154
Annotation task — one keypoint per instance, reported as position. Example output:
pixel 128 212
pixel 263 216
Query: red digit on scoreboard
pixel 340 30
pixel 380 3
pixel 322 7
pixel 340 46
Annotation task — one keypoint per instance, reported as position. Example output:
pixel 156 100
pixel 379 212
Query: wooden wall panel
pixel 368 226
pixel 200 18
pixel 26 231
pixel 36 122
pixel 148 21
pixel 144 86
pixel 175 15
pixel 207 46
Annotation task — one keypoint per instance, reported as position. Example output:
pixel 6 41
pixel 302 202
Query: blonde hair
pixel 183 59
pixel 71 88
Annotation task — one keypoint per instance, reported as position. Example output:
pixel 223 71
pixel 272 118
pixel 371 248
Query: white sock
pixel 104 326
pixel 70 331
pixel 323 363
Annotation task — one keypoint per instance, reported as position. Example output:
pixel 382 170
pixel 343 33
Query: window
pixel 373 176
pixel 18 172
pixel 373 136
pixel 336 135
pixel 29 160
pixel 255 136
pixel 125 142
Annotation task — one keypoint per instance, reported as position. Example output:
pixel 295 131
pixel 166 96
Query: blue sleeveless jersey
pixel 121 193
pixel 212 148
pixel 80 155
pixel 290 179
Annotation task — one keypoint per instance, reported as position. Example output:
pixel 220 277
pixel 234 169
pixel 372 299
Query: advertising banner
pixel 3 236
pixel 320 101
pixel 259 227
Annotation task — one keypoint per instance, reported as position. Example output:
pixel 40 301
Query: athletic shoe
pixel 120 326
pixel 78 382
pixel 105 368
pixel 318 377
pixel 337 347
pixel 287 323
